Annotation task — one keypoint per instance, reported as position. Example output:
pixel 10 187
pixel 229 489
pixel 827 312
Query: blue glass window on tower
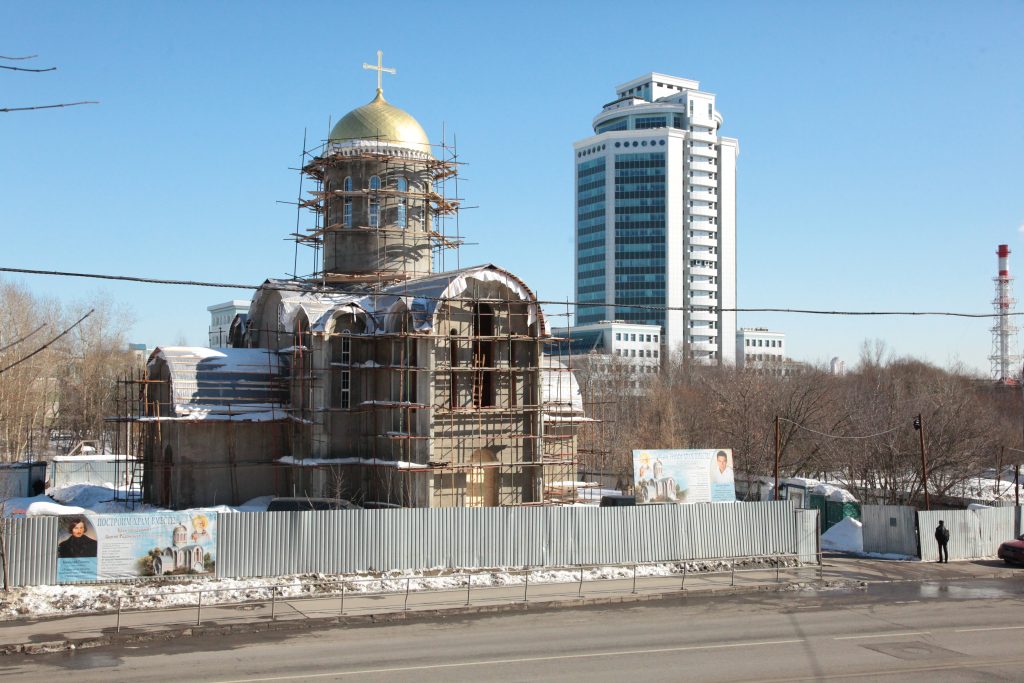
pixel 374 202
pixel 640 237
pixel 613 124
pixel 590 233
pixel 644 122
pixel 347 219
pixel 402 185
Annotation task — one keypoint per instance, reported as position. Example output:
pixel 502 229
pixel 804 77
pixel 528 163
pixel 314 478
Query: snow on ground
pixel 38 601
pixel 77 499
pixel 846 536
pixel 98 499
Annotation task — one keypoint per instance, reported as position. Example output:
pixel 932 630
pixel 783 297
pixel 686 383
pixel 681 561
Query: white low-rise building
pixel 221 316
pixel 758 347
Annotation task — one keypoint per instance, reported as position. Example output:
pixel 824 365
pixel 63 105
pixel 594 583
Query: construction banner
pixel 109 547
pixel 684 475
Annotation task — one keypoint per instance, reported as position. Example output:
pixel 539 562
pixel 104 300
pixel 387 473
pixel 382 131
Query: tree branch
pixel 35 71
pixel 47 344
pixel 46 106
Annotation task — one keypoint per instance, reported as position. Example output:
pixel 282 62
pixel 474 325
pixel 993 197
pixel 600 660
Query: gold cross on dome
pixel 380 69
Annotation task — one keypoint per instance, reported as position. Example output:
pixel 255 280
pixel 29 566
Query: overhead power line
pixel 46 106
pixel 837 436
pixel 302 287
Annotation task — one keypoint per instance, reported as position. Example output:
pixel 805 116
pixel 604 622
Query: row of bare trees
pixel 52 387
pixel 854 429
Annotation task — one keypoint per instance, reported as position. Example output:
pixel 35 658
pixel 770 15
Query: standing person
pixel 942 536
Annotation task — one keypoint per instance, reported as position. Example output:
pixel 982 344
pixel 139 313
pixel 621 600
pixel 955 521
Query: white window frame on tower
pixel 347 215
pixel 374 213
pixel 402 210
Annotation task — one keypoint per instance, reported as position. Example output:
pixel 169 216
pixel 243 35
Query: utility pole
pixel 999 472
pixel 777 442
pixel 1016 484
pixel 919 426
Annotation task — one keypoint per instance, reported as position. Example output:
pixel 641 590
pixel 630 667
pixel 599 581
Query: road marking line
pixel 519 660
pixel 990 628
pixel 889 672
pixel 884 635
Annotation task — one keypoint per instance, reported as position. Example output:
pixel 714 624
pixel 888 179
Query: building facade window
pixel 590 233
pixel 401 211
pixel 347 216
pixel 374 202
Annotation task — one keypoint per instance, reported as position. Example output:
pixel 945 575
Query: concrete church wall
pixel 199 463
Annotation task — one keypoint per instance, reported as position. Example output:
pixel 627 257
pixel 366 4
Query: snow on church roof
pixel 224 384
pixel 420 296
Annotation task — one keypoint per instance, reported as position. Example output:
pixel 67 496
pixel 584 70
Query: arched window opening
pixel 483 356
pixel 347 218
pixel 374 202
pixel 401 212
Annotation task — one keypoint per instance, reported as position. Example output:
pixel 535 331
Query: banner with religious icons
pixel 683 475
pixel 94 547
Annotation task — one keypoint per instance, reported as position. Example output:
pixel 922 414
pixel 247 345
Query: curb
pixel 296 625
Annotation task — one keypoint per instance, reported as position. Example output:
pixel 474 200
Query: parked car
pixel 614 501
pixel 379 505
pixel 1012 551
pixel 302 504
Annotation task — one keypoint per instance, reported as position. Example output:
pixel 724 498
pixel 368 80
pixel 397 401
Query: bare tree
pixel 8 67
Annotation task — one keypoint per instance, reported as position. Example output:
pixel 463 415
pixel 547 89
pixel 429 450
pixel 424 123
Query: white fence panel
pixel 889 529
pixel 973 534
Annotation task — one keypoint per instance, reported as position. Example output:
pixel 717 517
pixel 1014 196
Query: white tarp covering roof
pixel 224 384
pixel 420 297
pixel 560 392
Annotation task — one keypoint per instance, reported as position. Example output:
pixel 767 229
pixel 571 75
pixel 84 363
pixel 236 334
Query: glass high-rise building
pixel 656 217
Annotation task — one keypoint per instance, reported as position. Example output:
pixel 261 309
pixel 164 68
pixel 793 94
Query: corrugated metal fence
pixel 890 529
pixel 265 544
pixel 972 533
pixel 808 540
pixel 31 551
pixel 276 543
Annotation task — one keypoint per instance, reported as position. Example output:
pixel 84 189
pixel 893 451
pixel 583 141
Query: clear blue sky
pixel 881 144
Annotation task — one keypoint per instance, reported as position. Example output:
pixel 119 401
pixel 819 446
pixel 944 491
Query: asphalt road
pixel 967 630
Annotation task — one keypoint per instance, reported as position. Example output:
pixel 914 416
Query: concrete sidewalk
pixel 290 614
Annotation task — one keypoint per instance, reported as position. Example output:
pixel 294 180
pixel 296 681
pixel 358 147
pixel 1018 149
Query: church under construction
pixel 374 379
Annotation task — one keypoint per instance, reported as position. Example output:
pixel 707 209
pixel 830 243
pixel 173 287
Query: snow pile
pixel 820 488
pixel 19 507
pixel 42 508
pixel 833 493
pixel 846 536
pixel 155 594
pixel 78 499
pixel 99 499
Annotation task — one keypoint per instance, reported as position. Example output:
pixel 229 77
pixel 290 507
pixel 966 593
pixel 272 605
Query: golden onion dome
pixel 381 121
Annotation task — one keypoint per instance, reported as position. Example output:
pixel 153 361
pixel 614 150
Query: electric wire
pixel 305 287
pixel 836 436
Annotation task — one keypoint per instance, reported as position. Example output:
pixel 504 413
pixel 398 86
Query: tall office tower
pixel 656 217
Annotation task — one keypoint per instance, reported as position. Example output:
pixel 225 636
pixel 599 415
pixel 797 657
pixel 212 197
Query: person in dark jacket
pixel 942 537
pixel 77 544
